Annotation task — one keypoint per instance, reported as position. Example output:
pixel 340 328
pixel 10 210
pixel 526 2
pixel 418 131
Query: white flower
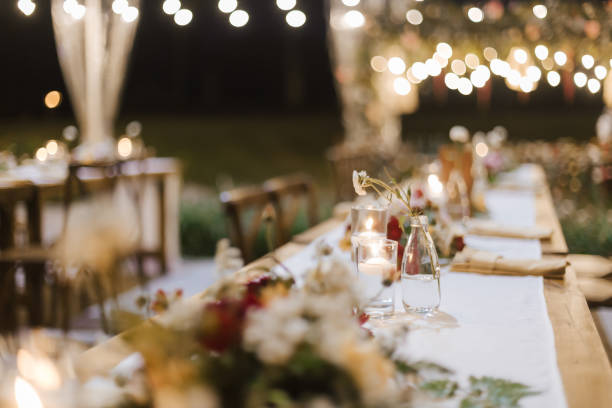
pixel 358 178
pixel 459 134
pixel 495 139
pixel 227 258
pixel 100 231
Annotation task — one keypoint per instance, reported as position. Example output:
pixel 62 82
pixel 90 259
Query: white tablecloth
pixel 487 325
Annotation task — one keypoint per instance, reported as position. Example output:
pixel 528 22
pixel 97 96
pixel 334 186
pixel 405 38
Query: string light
pixel 472 61
pixel 451 80
pixel 130 14
pixel 401 86
pixel 76 10
pixel 52 147
pixel 283 4
pixel 580 79
pixel 170 7
pixel 295 18
pixel 445 50
pixel 475 15
pixel 53 99
pixel 42 154
pixel 239 18
pixel 526 85
pixel 593 85
pixel 353 19
pixel 183 17
pixel 520 55
pixel 588 61
pixel 534 73
pixel 433 67
pixel 119 6
pixel 378 63
pixel 601 72
pixel 414 17
pixel 458 67
pixel 124 147
pixel 541 52
pixel 350 3
pixel 554 79
pixel 490 53
pixel 464 86
pixel 396 65
pixel 419 70
pixel 27 7
pixel 540 11
pixel 560 58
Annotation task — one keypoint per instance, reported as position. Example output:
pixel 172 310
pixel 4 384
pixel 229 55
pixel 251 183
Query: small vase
pixel 420 279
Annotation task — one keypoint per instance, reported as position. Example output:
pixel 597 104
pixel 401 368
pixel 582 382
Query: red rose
pixel 458 243
pixel 394 230
pixel 222 324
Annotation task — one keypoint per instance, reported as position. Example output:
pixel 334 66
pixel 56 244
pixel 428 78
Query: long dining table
pixel 486 311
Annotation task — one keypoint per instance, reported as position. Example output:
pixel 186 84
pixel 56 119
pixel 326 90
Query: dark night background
pixel 251 102
pixel 206 66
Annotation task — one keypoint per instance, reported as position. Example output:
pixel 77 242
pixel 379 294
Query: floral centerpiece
pixel 263 340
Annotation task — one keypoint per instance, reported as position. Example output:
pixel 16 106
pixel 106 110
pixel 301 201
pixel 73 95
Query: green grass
pixel 250 148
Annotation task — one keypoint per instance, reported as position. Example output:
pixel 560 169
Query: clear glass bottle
pixel 420 279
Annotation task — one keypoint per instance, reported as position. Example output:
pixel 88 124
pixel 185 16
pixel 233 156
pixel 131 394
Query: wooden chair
pixel 287 194
pixel 244 227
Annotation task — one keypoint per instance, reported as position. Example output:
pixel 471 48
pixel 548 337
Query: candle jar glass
pixel 420 279
pixel 369 221
pixel 376 260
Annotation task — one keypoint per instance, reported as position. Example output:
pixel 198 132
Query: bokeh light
pixel 239 18
pixel 170 7
pixel 414 17
pixel 284 4
pixel 183 17
pixel 53 99
pixel 295 18
pixel 475 15
pixel 540 11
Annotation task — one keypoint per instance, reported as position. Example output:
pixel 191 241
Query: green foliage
pixel 488 392
pixel 440 388
pixel 202 224
pixel 305 376
pixel 483 392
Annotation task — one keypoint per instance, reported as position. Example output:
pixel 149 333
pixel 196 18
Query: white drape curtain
pixel 93 51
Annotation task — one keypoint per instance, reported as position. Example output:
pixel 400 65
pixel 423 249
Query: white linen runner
pixel 487 325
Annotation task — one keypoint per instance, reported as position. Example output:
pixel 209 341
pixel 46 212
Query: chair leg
pixel 8 299
pixel 35 277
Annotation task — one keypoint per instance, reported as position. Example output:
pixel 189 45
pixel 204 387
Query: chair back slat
pixel 236 203
pixel 287 195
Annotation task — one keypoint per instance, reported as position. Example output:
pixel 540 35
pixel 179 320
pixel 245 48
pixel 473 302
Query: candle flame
pixel 369 224
pixel 435 185
pixel 26 395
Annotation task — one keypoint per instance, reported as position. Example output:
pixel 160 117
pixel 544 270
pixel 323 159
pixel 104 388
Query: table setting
pixel 442 279
pixel 473 331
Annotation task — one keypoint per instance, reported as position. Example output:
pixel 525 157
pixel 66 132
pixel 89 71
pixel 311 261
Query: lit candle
pixel 26 395
pixel 377 266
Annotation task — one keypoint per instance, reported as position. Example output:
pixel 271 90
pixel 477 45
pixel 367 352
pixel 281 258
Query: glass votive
pixel 376 260
pixel 369 221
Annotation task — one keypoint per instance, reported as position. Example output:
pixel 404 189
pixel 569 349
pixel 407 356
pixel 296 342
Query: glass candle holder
pixel 369 222
pixel 376 260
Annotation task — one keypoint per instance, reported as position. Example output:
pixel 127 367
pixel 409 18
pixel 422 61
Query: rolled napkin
pixel 493 229
pixel 471 260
